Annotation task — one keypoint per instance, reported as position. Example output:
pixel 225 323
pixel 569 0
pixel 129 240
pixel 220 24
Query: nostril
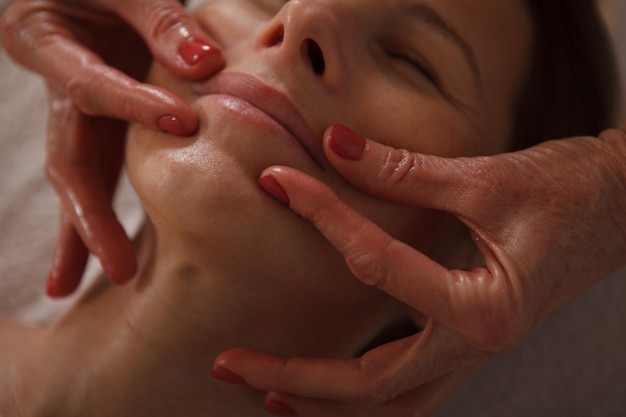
pixel 277 36
pixel 315 56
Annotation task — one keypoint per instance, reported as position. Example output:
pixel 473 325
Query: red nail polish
pixel 273 187
pixel 51 286
pixel 110 273
pixel 225 375
pixel 117 276
pixel 346 143
pixel 279 409
pixel 194 50
pixel 172 124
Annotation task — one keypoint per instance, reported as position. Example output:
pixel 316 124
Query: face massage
pixel 266 277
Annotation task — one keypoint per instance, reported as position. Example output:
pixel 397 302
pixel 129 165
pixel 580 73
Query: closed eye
pixel 414 63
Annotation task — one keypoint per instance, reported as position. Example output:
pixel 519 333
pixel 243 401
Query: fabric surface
pixel 573 365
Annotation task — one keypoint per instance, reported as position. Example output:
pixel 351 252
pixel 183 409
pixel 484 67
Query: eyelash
pixel 415 63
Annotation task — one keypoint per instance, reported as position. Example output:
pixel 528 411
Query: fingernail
pixel 346 143
pixel 273 187
pixel 172 124
pixel 279 409
pixel 225 375
pixel 117 276
pixel 51 286
pixel 194 50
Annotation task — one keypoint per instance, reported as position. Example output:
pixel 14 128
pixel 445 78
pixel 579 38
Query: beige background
pixel 574 365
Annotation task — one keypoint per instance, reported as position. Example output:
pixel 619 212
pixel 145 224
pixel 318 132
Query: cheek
pixel 414 121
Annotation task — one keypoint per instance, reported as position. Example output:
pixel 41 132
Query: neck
pixel 157 337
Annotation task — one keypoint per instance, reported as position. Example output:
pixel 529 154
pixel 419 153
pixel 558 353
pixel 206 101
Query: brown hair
pixel 572 87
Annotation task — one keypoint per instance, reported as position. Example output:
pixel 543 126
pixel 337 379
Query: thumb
pixel 397 174
pixel 174 37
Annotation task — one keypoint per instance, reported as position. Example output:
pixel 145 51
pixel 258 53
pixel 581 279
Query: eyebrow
pixel 431 18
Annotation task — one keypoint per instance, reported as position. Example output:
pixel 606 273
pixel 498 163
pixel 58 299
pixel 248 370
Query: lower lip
pixel 253 115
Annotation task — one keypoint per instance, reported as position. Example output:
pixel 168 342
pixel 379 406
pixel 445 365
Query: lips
pixel 267 99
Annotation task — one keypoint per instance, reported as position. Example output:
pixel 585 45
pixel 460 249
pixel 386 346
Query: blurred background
pixel 614 12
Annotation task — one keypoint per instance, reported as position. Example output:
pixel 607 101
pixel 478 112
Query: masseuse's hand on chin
pixel 549 222
pixel 92 54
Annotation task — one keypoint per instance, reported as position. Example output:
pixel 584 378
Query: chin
pixel 203 192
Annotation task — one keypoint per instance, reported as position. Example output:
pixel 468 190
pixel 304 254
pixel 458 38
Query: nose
pixel 307 32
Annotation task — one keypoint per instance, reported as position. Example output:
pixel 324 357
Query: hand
pixel 549 222
pixel 92 54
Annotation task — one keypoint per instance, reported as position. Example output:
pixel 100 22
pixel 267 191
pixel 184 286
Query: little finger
pixel 423 401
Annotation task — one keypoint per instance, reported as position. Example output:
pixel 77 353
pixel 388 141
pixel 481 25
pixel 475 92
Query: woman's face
pixel 433 76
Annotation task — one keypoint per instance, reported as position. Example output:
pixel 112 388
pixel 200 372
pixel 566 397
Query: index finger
pixel 422 401
pixel 372 255
pixel 482 304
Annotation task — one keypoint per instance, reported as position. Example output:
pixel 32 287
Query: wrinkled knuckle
pixel 78 87
pixel 367 265
pixel 397 167
pixel 164 19
pixel 319 217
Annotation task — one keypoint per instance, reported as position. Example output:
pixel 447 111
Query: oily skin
pixel 362 88
pixel 217 246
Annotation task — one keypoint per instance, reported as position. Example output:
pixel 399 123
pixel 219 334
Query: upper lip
pixel 268 99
